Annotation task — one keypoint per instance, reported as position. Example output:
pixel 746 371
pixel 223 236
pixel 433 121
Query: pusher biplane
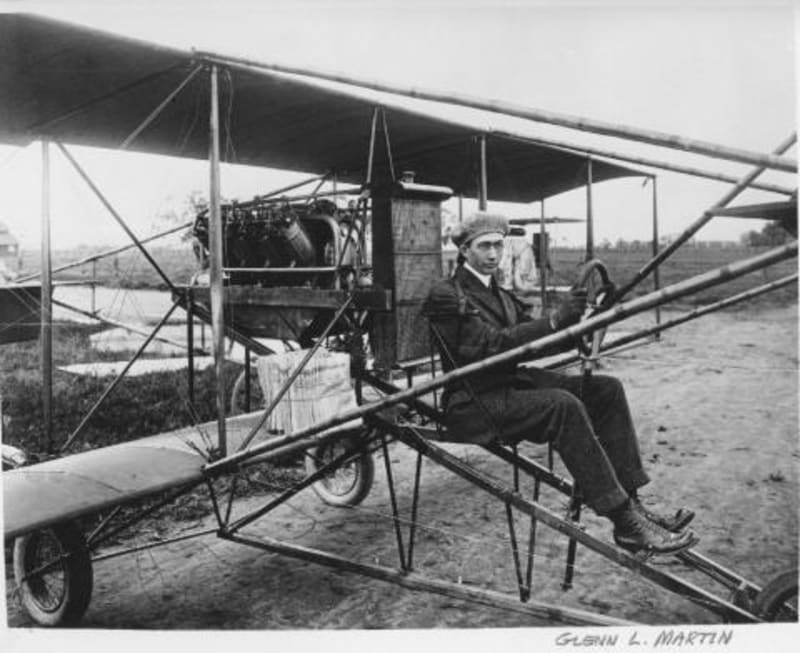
pixel 344 286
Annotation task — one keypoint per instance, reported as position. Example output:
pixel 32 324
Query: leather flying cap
pixel 478 224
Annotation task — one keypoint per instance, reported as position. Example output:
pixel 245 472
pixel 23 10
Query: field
pixel 688 261
pixel 131 270
pixel 715 405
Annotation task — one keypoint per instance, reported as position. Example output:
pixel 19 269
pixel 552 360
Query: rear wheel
pixel 778 600
pixel 350 482
pixel 53 571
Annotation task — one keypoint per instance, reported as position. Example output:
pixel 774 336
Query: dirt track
pixel 716 408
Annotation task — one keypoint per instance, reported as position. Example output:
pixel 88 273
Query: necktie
pixel 494 288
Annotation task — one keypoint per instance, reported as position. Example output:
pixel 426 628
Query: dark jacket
pixel 473 324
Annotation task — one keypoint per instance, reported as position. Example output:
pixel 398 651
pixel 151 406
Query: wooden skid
pixel 415 581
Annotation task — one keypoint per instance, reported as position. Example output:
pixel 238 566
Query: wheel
pixel 778 600
pixel 593 276
pixel 53 572
pixel 348 484
pixel 239 397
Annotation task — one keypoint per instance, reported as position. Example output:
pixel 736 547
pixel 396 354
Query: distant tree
pixel 770 236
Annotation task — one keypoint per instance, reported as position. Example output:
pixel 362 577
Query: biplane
pixel 345 287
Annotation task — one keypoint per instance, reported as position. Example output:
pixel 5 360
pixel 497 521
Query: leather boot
pixel 675 523
pixel 634 532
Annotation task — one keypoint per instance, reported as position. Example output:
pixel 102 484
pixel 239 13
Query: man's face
pixel 484 252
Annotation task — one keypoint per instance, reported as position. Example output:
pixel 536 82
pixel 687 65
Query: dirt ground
pixel 715 405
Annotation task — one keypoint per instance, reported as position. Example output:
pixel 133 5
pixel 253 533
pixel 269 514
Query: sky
pixel 719 71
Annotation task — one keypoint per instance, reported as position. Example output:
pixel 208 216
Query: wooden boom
pixel 652 137
pixel 528 350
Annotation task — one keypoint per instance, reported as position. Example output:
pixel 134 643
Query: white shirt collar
pixel 485 279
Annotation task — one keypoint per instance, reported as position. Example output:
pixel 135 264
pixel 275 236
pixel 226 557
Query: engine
pixel 283 244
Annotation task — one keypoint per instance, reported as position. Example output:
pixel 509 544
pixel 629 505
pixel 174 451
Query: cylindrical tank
pixel 297 242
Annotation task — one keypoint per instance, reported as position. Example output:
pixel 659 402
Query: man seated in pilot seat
pixel 590 426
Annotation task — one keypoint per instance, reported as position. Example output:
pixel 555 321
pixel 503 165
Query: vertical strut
pixel 190 347
pixel 572 547
pixel 483 188
pixel 589 212
pixel 515 468
pixel 414 503
pixel 531 543
pixel 393 498
pixel 215 264
pixel 542 258
pixel 656 270
pixel 47 302
pixel 515 552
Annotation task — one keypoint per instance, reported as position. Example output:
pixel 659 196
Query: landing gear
pixel 778 600
pixel 53 571
pixel 349 483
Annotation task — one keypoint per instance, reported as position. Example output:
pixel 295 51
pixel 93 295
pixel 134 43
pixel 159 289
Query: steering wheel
pixel 593 276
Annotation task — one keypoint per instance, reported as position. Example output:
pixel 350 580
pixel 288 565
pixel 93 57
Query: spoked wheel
pixel 53 571
pixel 593 276
pixel 778 600
pixel 350 482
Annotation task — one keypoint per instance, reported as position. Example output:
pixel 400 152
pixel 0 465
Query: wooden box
pixel 407 259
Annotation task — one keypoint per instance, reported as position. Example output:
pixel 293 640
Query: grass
pixel 139 406
pixel 688 261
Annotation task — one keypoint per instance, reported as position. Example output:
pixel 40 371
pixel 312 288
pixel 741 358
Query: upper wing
pixel 87 87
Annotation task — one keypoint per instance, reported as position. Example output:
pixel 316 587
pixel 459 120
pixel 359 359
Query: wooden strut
pixel 372 135
pixel 614 314
pixel 393 501
pixel 511 498
pixel 656 272
pixel 46 327
pixel 415 581
pixel 651 137
pixel 566 527
pixel 541 474
pixel 215 247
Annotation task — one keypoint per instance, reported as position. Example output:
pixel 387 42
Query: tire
pixel 238 404
pixel 58 596
pixel 778 600
pixel 350 483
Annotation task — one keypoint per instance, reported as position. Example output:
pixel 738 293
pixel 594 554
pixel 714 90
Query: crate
pixel 406 258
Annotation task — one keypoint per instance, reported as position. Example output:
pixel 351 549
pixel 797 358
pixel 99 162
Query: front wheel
pixel 53 571
pixel 778 600
pixel 349 483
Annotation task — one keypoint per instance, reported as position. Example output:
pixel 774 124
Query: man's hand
pixel 570 310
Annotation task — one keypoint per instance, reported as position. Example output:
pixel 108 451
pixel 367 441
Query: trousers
pixel 589 423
